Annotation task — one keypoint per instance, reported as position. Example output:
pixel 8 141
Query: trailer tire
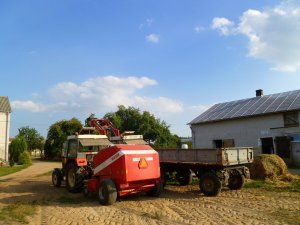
pixel 56 177
pixel 184 177
pixel 210 184
pixel 236 181
pixel 156 190
pixel 107 192
pixel 74 180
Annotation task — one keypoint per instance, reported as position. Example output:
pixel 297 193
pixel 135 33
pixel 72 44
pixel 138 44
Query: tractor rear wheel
pixel 56 178
pixel 107 192
pixel 74 180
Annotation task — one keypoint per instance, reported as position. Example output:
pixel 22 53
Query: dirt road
pixel 177 205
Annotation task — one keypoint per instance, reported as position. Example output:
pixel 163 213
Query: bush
pixel 11 163
pixel 16 147
pixel 24 158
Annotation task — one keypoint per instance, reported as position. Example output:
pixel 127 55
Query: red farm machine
pixel 111 167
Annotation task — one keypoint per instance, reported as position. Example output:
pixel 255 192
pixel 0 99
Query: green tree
pixel 154 130
pixel 17 146
pixel 57 135
pixel 33 139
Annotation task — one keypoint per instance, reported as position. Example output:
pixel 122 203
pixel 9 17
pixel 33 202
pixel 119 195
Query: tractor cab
pixel 77 159
pixel 81 148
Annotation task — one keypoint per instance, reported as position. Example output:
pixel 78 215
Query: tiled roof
pixel 4 104
pixel 267 104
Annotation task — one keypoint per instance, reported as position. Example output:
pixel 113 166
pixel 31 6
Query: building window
pixel 225 143
pixel 291 119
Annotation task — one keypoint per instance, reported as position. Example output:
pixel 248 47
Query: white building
pixel 5 111
pixel 269 124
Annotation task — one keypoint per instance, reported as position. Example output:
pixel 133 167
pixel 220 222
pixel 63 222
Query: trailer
pixel 215 168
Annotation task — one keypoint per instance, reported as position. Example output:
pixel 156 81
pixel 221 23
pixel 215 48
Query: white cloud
pixel 148 23
pixel 101 94
pixel 29 106
pixel 153 38
pixel 273 34
pixel 222 24
pixel 160 104
pixel 199 29
pixel 199 108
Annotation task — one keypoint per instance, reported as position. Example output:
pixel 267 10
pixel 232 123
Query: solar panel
pixel 286 103
pixel 253 107
pixel 226 110
pixel 279 102
pixel 244 106
pixel 273 106
pixel 264 105
pixel 213 115
pixel 296 102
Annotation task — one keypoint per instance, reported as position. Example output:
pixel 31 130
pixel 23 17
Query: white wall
pixel 245 132
pixel 4 134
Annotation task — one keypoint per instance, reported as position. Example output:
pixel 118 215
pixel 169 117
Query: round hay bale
pixel 268 167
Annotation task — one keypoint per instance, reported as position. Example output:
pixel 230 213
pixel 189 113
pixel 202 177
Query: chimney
pixel 259 93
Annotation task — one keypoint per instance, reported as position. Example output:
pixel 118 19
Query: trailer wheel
pixel 74 180
pixel 236 181
pixel 107 192
pixel 56 178
pixel 156 190
pixel 210 184
pixel 184 177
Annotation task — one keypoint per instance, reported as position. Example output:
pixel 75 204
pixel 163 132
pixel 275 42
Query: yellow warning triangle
pixel 143 163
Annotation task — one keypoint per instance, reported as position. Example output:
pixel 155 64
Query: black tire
pixel 107 192
pixel 184 177
pixel 156 190
pixel 236 181
pixel 210 184
pixel 56 178
pixel 74 180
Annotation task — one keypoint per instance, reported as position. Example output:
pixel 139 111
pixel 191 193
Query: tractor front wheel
pixel 107 192
pixel 56 177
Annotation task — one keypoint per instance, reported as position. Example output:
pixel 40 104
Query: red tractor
pixel 108 169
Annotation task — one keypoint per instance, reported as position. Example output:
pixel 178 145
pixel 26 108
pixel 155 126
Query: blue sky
pixel 64 59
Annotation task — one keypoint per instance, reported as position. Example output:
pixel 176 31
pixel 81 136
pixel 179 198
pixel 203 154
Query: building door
pixel 283 146
pixel 267 145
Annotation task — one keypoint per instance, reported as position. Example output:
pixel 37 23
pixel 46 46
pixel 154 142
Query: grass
pixel 17 212
pixel 275 186
pixel 8 170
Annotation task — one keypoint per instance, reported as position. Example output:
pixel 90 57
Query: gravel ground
pixel 177 205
